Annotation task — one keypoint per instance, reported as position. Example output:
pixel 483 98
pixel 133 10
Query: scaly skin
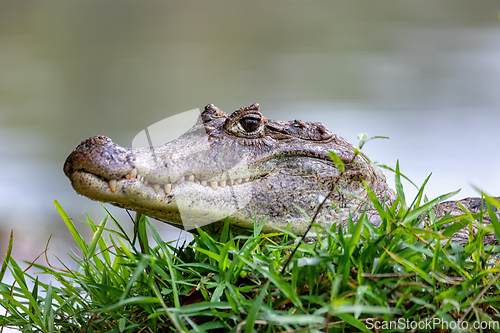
pixel 240 165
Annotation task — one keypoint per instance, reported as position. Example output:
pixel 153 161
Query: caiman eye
pixel 250 124
pixel 246 123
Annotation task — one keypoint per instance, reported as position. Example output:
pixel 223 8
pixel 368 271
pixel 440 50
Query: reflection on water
pixel 425 74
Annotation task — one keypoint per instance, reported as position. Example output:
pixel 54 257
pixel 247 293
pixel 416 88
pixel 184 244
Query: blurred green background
pixel 424 73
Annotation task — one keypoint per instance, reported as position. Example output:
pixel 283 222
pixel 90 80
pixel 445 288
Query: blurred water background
pixel 424 73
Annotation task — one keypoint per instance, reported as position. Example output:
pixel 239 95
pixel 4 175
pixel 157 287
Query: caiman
pixel 242 166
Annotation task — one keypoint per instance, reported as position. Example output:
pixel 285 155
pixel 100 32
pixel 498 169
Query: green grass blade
pixel 453 228
pixel 254 310
pixel 399 187
pixel 215 256
pixel 278 281
pixel 139 270
pixel 130 301
pixel 420 194
pixel 257 227
pixel 490 203
pixel 48 306
pixel 140 231
pixel 338 162
pixel 376 203
pixel 225 231
pixel 168 257
pixel 96 237
pixel 71 227
pixel 123 233
pixel 7 256
pixel 411 266
pixel 356 234
pixel 32 311
pixel 425 207
pixel 353 321
pixel 33 307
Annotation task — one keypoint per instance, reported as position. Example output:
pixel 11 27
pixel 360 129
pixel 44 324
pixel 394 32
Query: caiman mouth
pixel 163 188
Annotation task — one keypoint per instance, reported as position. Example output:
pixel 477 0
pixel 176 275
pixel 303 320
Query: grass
pixel 357 278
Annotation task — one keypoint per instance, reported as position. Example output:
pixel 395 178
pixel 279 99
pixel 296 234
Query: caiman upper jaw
pixel 100 156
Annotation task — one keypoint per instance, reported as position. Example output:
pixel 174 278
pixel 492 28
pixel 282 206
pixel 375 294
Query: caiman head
pixel 242 166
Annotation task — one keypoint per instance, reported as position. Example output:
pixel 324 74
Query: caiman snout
pixel 97 162
pixel 100 156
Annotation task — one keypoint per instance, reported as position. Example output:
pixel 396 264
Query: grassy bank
pixel 353 279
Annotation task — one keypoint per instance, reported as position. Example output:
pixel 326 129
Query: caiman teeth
pixel 132 174
pixel 168 189
pixel 112 185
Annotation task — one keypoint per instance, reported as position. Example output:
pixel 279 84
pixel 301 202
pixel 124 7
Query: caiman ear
pixel 212 112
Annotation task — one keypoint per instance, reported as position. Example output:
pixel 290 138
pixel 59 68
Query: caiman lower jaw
pixel 87 183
